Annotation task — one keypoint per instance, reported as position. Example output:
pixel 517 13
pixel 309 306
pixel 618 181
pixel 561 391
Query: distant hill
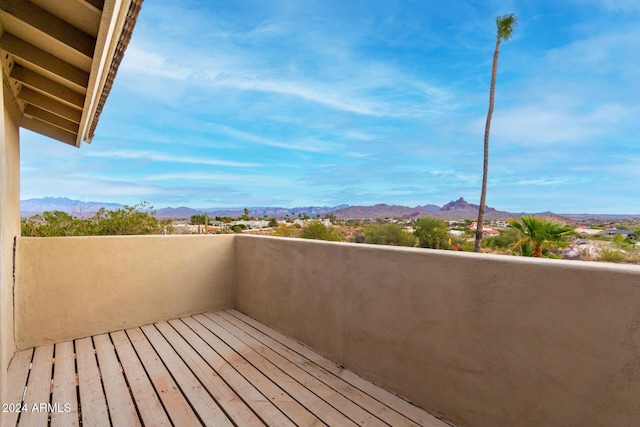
pixel 273 212
pixel 461 209
pixel 379 211
pixel 458 209
pixel 455 210
pixel 181 212
pixel 429 208
pixel 35 206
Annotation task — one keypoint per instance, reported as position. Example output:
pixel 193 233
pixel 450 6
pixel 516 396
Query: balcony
pixel 474 339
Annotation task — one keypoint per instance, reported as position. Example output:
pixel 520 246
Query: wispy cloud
pixel 201 177
pixel 169 158
pixel 308 144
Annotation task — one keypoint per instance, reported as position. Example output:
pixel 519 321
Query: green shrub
pixel 388 234
pixel 612 255
pixel 432 233
pixel 318 231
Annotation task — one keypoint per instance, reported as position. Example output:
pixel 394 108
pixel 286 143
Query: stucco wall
pixel 9 227
pixel 484 340
pixel 70 287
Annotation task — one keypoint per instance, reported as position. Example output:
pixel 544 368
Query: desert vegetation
pixel 129 220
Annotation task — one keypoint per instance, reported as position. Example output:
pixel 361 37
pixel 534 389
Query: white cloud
pixel 360 87
pixel 141 61
pixel 304 144
pixel 164 157
pixel 254 180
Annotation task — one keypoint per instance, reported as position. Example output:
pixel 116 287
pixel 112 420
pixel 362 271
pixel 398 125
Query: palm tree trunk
pixel 537 252
pixel 485 168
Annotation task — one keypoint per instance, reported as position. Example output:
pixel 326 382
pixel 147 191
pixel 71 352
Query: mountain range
pixel 458 209
pixel 76 207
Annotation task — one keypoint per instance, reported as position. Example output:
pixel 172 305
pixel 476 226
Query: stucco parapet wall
pixel 71 287
pixel 480 339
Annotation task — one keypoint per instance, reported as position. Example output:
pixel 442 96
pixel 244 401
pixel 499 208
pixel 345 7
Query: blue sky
pixel 305 102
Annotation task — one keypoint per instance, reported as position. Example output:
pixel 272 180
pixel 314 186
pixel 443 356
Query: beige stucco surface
pixel 70 287
pixel 9 227
pixel 483 340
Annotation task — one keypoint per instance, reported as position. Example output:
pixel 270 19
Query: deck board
pixel 289 406
pixel 220 368
pixel 121 406
pixel 17 374
pixel 237 410
pixel 93 403
pixel 205 406
pixel 269 413
pixel 149 407
pixel 174 401
pixel 38 387
pixel 64 387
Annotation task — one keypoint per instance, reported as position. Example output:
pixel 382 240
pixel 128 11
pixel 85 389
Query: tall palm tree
pixel 505 24
pixel 539 234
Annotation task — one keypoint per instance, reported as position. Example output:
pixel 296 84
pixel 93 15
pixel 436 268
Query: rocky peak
pixel 460 204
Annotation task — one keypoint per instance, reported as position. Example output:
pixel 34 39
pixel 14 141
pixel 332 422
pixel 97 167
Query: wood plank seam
pixel 64 387
pixel 282 379
pixel 121 406
pixel 349 391
pixel 324 392
pixel 23 358
pixel 208 410
pixel 255 398
pixel 126 380
pixel 286 403
pixel 150 407
pixel 171 393
pixel 334 391
pixel 239 414
pixel 390 400
pixel 146 371
pixel 180 388
pixel 104 393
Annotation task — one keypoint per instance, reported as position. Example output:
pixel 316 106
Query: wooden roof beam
pixel 98 4
pixel 49 24
pixel 37 99
pixel 46 129
pixel 53 119
pixel 47 62
pixel 47 86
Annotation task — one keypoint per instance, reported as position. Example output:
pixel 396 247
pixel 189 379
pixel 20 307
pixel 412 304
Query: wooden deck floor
pixel 216 369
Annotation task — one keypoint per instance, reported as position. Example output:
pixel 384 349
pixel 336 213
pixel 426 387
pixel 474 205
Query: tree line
pixel 128 220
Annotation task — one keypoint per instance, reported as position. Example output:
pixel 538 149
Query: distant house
pixel 490 232
pixel 499 223
pixel 252 224
pixel 456 233
pixel 582 230
pixel 614 231
pixel 305 222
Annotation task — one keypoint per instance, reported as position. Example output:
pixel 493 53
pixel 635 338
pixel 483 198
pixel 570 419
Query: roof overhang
pixel 60 57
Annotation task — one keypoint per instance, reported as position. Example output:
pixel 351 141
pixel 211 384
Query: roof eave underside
pixel 60 59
